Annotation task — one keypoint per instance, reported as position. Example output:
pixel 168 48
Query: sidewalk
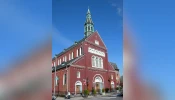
pixel 81 98
pixel 74 98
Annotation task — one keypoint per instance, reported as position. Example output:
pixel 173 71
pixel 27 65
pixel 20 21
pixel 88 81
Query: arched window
pixel 77 52
pixel 96 61
pixel 100 65
pixel 80 50
pixel 91 28
pixel 88 28
pixel 65 58
pixel 69 56
pixel 93 61
pixel 72 55
pixel 78 74
pixel 54 64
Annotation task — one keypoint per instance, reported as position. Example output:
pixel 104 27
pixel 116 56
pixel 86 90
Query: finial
pixel 88 10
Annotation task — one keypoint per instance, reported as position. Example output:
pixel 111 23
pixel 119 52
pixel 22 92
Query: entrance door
pixel 77 88
pixel 97 86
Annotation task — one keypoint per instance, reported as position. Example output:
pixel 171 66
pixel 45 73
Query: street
pixel 93 98
pixel 104 98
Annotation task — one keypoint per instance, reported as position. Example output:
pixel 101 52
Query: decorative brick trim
pixel 98 69
pixel 78 66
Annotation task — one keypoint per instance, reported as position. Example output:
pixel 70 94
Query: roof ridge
pixel 73 45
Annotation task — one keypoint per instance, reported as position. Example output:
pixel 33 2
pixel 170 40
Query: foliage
pixel 118 88
pixel 86 92
pixel 94 92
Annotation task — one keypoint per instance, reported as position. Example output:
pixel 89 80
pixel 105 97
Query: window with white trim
pixel 101 63
pixel 81 51
pixel 93 61
pixel 72 55
pixel 111 76
pixel 97 62
pixel 78 74
pixel 65 58
pixel 77 52
pixel 54 63
pixel 69 56
pixel 58 62
pixel 96 42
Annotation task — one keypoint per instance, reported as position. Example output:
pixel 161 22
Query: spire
pixel 88 26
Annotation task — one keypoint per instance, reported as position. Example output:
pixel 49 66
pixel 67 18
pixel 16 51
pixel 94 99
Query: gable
pixel 96 39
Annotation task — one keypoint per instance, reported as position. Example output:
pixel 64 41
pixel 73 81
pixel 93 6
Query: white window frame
pixel 97 61
pixel 60 61
pixel 80 50
pixel 77 52
pixel 65 58
pixel 72 57
pixel 96 42
pixel 54 63
pixel 69 57
pixel 111 76
pixel 101 62
pixel 93 61
pixel 78 74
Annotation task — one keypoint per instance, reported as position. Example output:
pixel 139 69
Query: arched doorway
pixel 78 87
pixel 98 83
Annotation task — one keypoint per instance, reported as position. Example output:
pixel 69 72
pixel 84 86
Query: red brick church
pixel 84 65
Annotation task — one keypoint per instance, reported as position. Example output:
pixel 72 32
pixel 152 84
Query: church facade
pixel 84 65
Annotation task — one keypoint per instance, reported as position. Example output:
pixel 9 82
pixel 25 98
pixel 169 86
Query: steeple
pixel 89 25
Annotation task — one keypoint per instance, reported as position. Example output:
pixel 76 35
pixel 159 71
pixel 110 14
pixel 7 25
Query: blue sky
pixel 68 22
pixel 23 24
pixel 153 23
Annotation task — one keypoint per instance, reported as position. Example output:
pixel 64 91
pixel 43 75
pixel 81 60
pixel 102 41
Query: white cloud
pixel 117 7
pixel 119 11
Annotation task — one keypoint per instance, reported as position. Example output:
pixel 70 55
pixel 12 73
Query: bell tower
pixel 88 25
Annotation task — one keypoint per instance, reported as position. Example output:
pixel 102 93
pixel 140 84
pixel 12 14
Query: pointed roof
pixel 88 12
